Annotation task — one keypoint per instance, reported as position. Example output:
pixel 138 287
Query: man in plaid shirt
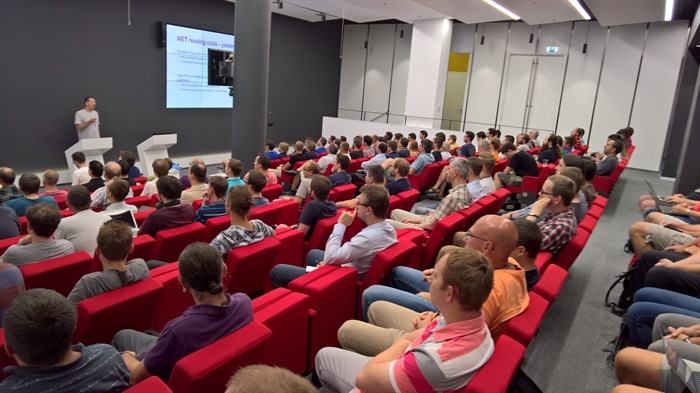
pixel 558 222
pixel 459 198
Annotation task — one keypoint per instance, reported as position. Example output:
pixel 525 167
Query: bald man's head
pixel 112 169
pixel 196 160
pixel 494 236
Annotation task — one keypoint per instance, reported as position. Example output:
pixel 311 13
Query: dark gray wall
pixel 54 53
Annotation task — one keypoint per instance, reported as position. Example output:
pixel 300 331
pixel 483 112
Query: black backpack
pixel 632 280
pixel 623 340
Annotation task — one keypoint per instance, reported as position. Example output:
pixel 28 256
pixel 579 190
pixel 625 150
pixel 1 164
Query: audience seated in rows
pixel 328 159
pixel 112 170
pixel 130 159
pixel 213 201
pixel 359 252
pixel 39 327
pixel 114 243
pixel 215 315
pixel 81 227
pixel 241 232
pixel 42 221
pixel 442 353
pixel 270 150
pixel 50 179
pixel 125 173
pixel 609 160
pixel 301 191
pixel 95 171
pixel 375 176
pixel 170 212
pixel 29 185
pixel 81 175
pixel 262 164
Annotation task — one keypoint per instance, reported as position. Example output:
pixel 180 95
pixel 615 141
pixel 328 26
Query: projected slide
pixel 186 68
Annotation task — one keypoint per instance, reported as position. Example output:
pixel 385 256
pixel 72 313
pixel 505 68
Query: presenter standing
pixel 87 121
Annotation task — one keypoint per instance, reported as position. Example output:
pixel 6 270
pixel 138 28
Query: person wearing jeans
pixel 648 304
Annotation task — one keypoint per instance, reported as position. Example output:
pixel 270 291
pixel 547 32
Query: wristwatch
pixel 687 212
pixel 687 340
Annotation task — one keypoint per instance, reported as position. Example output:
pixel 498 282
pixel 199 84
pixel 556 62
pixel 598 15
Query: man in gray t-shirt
pixel 114 243
pixel 87 120
pixel 42 221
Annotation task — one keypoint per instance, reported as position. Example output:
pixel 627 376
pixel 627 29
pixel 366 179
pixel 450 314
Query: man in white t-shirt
pixel 82 174
pixel 87 121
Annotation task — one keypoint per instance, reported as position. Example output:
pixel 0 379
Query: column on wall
pixel 427 73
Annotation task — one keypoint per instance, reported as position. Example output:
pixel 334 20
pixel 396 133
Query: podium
pixel 93 148
pixel 153 148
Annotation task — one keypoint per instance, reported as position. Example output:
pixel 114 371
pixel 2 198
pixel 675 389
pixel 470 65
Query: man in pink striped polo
pixel 443 354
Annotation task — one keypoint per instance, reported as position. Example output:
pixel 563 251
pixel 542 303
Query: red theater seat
pixel 272 191
pixel 289 212
pixel 130 307
pixel 523 327
pixel 214 226
pixel 588 223
pixel 408 198
pixel 140 217
pixel 138 201
pixel 137 189
pixel 550 283
pixel 61 202
pixel 249 266
pixel 268 214
pixel 441 236
pixel 343 193
pixel 5 359
pixel 495 375
pixel 197 204
pixel 170 242
pixel 291 250
pixel 286 314
pixel 208 369
pixel 150 385
pixel 394 203
pixel 60 274
pixel 322 231
pixel 331 292
pixel 10 241
pixel 568 254
pixel 417 236
pixel 544 259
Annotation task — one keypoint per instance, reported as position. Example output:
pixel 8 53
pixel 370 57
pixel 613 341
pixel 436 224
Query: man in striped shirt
pixel 442 354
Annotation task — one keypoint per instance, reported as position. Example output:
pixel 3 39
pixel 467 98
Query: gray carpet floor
pixel 566 355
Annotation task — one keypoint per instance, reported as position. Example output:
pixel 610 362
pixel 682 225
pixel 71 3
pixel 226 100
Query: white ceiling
pixel 533 12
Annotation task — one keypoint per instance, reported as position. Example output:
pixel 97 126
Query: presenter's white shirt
pixel 91 131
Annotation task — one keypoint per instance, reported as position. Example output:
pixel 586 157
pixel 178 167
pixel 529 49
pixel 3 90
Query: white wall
pixel 627 76
pixel 351 128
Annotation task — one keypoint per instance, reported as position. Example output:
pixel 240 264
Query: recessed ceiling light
pixel 669 10
pixel 580 9
pixel 502 9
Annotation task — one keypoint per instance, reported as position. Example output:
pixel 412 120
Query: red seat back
pixel 5 359
pixel 441 235
pixel 60 274
pixel 291 250
pixel 23 225
pixel 214 226
pixel 61 202
pixel 150 385
pixel 197 204
pixel 289 212
pixel 268 214
pixel 272 191
pixel 600 201
pixel 333 301
pixel 138 201
pixel 495 375
pixel 130 307
pixel 137 189
pixel 140 217
pixel 343 193
pixel 210 368
pixel 544 259
pixel 394 203
pixel 523 327
pixel 154 199
pixel 10 241
pixel 286 314
pixel 588 223
pixel 249 266
pixel 170 242
pixel 550 283
pixel 417 236
pixel 173 301
pixel 409 198
pixel 567 255
pixel 322 231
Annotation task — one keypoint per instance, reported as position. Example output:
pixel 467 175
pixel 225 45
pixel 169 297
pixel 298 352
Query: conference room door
pixel 531 93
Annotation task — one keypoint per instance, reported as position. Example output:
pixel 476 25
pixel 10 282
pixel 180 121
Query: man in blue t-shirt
pixel 29 185
pixel 340 177
pixel 39 328
pixel 399 170
pixel 468 149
